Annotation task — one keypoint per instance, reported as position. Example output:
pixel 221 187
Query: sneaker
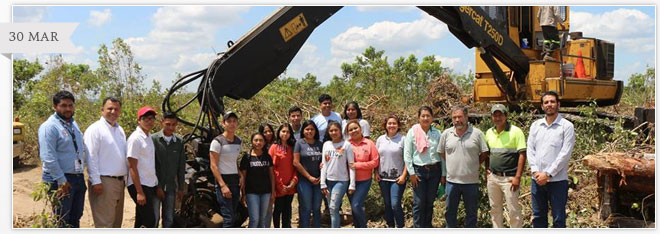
pixel 549 58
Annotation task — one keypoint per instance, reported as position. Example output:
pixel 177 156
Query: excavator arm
pixel 262 54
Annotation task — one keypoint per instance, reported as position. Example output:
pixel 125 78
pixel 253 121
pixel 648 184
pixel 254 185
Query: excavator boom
pixel 264 52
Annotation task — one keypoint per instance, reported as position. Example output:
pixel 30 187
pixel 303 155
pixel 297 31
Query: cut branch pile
pixel 445 94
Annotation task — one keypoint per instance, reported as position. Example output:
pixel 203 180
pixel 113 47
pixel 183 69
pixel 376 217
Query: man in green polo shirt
pixel 170 168
pixel 507 160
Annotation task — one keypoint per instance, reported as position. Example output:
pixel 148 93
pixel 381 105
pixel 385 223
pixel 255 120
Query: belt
pixel 114 177
pixel 427 166
pixel 501 173
pixel 73 174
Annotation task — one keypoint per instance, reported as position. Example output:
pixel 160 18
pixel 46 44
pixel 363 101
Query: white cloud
pixel 450 63
pixel 78 56
pixel 99 18
pixel 395 38
pixel 308 60
pixel 194 61
pixel 631 29
pixel 29 14
pixel 385 8
pixel 180 39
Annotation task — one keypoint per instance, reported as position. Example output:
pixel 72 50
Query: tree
pixel 406 81
pixel 640 89
pixel 464 81
pixel 119 71
pixel 24 74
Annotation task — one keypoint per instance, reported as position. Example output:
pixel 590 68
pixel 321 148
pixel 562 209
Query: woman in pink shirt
pixel 366 160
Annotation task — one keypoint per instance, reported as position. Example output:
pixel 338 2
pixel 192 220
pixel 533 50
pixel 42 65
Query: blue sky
pixel 182 39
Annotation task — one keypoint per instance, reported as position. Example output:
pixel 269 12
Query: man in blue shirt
pixel 62 154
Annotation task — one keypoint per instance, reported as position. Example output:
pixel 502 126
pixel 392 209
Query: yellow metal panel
pixel 486 88
pixel 586 46
pixel 536 92
pixel 539 71
pixel 481 66
pixel 582 90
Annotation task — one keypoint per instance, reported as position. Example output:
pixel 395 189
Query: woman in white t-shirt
pixel 391 173
pixel 336 174
pixel 352 111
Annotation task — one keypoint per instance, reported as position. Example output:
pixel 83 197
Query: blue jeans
pixel 557 194
pixel 167 208
pixel 392 194
pixel 336 191
pixel 228 206
pixel 309 201
pixel 470 194
pixel 424 194
pixel 357 203
pixel 258 206
pixel 71 206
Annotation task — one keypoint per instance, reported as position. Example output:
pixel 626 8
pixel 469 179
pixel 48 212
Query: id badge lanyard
pixel 69 128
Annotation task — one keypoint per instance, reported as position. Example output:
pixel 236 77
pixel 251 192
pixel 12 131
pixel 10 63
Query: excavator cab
pixel 583 70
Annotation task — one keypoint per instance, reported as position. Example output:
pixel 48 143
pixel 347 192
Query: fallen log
pixel 621 163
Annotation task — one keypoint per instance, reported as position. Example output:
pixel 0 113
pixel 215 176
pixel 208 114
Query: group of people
pixel 150 166
pixel 321 160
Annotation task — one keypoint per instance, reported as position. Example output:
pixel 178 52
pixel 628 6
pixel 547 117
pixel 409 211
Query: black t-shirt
pixel 257 175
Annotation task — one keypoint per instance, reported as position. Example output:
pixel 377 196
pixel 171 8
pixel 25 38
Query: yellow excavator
pixel 594 56
pixel 508 42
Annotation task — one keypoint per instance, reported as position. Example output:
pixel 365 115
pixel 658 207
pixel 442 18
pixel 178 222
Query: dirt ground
pixel 25 181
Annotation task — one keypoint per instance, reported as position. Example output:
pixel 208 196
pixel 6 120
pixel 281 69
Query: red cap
pixel 144 110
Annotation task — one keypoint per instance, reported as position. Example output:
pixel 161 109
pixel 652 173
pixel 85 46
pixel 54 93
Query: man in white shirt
pixel 142 179
pixel 321 119
pixel 106 166
pixel 549 147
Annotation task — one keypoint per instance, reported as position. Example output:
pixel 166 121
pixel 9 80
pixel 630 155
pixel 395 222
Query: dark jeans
pixel 228 206
pixel 557 194
pixel 424 194
pixel 309 201
pixel 283 208
pixel 167 207
pixel 550 39
pixel 71 206
pixel 470 194
pixel 145 215
pixel 392 194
